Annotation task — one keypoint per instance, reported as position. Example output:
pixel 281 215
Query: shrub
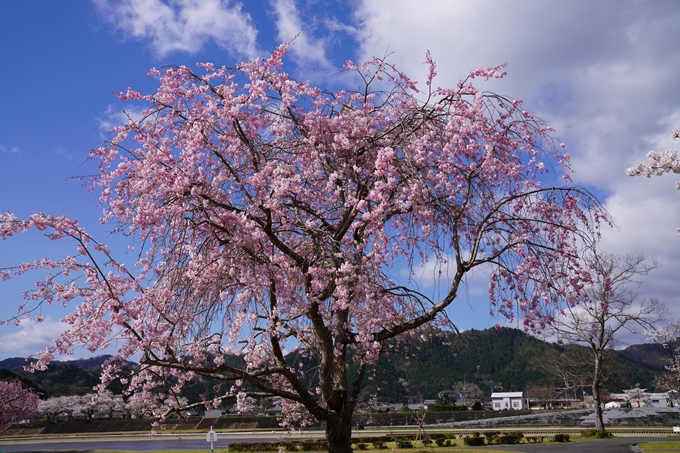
pixel 370 439
pixel 253 446
pixel 491 436
pixel 361 445
pixel 379 444
pixel 473 441
pixel 440 441
pixel 313 445
pixel 403 443
pixel 426 441
pixel 534 439
pixel 561 438
pixel 510 438
pixel 597 434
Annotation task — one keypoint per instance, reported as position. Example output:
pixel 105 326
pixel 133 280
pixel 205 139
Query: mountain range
pixel 502 359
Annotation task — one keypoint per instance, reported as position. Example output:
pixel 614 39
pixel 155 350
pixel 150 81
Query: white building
pixel 507 400
pixel 653 400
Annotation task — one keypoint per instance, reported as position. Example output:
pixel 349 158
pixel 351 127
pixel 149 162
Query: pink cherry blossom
pixel 16 403
pixel 659 163
pixel 267 212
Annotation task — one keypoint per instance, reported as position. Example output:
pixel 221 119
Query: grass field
pixel 660 447
pixel 396 450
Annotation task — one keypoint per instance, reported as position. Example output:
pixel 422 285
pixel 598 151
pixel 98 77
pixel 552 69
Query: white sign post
pixel 211 437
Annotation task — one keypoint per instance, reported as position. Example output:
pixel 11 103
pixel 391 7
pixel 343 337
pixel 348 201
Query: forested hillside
pixel 494 360
pixel 499 360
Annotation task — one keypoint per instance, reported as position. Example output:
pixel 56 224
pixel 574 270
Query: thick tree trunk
pixel 599 421
pixel 339 434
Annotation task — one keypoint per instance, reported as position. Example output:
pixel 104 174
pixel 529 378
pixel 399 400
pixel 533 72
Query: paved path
pixel 174 442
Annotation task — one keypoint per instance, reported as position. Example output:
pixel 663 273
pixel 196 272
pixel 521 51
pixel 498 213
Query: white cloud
pixel 289 25
pixel 183 25
pixel 30 338
pixel 113 117
pixel 470 308
pixel 604 74
pixel 12 150
pixel 64 152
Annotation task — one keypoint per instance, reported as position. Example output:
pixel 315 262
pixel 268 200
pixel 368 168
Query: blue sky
pixel 605 74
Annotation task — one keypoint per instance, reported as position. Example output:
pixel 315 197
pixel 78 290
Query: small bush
pixel 312 445
pixel 473 441
pixel 253 446
pixel 361 446
pixel 426 442
pixel 510 438
pixel 379 445
pixel 597 434
pixel 447 443
pixel 403 443
pixel 561 438
pixel 534 439
pixel 491 436
pixel 370 439
pixel 439 441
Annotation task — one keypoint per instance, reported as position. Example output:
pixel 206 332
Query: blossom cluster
pixel 267 213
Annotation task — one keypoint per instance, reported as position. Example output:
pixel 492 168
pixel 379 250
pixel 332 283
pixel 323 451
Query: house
pixel 507 400
pixel 555 403
pixel 215 413
pixel 650 399
pixel 659 400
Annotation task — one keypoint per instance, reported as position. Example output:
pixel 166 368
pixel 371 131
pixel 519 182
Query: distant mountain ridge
pixel 15 364
pixel 652 356
pixel 502 359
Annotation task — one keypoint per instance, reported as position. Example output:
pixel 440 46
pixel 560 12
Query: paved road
pixel 619 445
pixel 139 445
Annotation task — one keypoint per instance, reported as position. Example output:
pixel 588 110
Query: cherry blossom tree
pixel 267 215
pixel 469 392
pixel 668 337
pixel 659 163
pixel 50 408
pixel 636 395
pixel 608 305
pixel 98 405
pixel 107 404
pixel 16 403
pixel 249 406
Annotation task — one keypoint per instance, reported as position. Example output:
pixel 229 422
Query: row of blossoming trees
pixel 98 405
pixel 19 404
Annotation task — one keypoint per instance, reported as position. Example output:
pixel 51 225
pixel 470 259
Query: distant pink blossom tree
pixel 636 395
pixel 270 216
pixel 659 163
pixel 668 337
pixel 16 403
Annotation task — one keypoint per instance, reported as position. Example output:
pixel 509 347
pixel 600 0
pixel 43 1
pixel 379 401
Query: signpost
pixel 211 437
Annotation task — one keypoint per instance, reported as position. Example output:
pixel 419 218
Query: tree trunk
pixel 599 421
pixel 339 434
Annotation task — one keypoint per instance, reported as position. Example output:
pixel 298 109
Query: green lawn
pixel 659 447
